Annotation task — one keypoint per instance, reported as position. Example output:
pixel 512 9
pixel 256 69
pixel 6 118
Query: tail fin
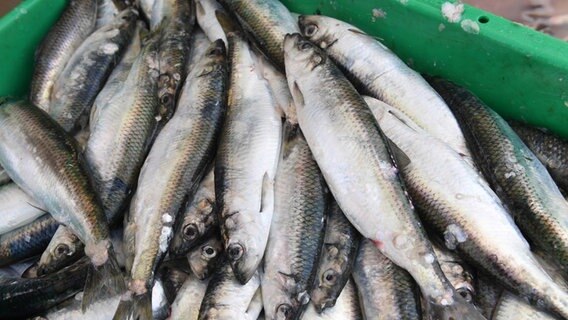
pixel 103 281
pixel 138 307
pixel 459 310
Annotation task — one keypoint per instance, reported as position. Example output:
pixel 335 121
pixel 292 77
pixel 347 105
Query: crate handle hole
pixel 483 19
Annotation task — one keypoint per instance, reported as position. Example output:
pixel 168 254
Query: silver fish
pixel 198 43
pixel 17 208
pixel 346 306
pixel 63 249
pixel 188 300
pixel 204 258
pixel 4 177
pixel 207 20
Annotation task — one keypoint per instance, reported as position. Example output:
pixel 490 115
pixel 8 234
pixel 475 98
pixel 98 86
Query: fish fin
pixel 402 160
pixel 266 198
pixel 255 306
pixel 137 307
pixel 103 281
pixel 459 309
pixel 227 23
pixel 297 95
pixel 40 209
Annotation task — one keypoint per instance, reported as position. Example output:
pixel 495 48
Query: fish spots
pixel 378 13
pixel 379 244
pixel 453 236
pixel 165 236
pixel 109 48
pixel 400 241
pixel 459 196
pixel 167 218
pixel 429 258
pixel 470 26
pixel 452 11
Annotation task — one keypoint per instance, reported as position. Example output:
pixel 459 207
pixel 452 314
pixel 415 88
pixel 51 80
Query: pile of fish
pixel 201 160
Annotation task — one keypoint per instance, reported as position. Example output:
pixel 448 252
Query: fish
pixel 341 244
pixel 198 44
pixel 511 306
pixel 279 87
pixel 122 130
pixel 227 298
pixel 173 275
pixel 463 210
pixel 17 208
pixel 4 177
pixel 63 249
pixel 27 241
pixel 383 75
pixel 175 26
pixel 246 161
pixel 550 149
pixel 267 21
pixel 207 20
pixel 44 161
pixel 488 291
pixel 457 271
pixel 145 7
pixel 520 180
pixel 107 10
pixel 74 25
pixel 189 298
pixel 353 154
pixel 23 298
pixel 204 258
pixel 297 230
pixel 386 291
pixel 346 306
pixel 87 70
pixel 176 163
pixel 198 219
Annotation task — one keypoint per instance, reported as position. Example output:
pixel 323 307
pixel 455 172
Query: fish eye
pixel 305 45
pixel 165 99
pixel 190 231
pixel 466 294
pixel 284 311
pixel 209 252
pixel 310 30
pixel 62 249
pixel 329 276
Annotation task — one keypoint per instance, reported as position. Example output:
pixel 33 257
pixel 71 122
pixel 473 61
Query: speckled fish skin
pixel 198 219
pixel 297 230
pixel 346 306
pixel 63 249
pixel 22 298
pixel 76 23
pixel 386 291
pixel 246 162
pixel 268 21
pixel 189 298
pixel 226 297
pixel 45 162
pixel 349 148
pixel 87 70
pixel 514 172
pixel 27 241
pixel 457 271
pixel 461 207
pixel 383 75
pixel 17 208
pixel 488 292
pixel 550 149
pixel 176 163
pixel 121 133
pixel 511 306
pixel 198 43
pixel 340 248
pixel 175 26
pixel 207 20
pixel 203 259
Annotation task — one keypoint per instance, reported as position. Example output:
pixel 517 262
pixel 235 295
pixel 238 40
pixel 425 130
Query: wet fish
pixel 189 298
pixel 198 220
pixel 107 10
pixel 87 70
pixel 268 21
pixel 279 87
pixel 145 7
pixel 63 249
pixel 173 275
pixel 346 306
pixel 297 230
pixel 17 208
pixel 44 161
pixel 4 177
pixel 27 241
pixel 227 298
pixel 246 161
pixel 22 298
pixel 122 130
pixel 207 20
pixel 457 271
pixel 487 294
pixel 204 258
pixel 550 149
pixel 171 173
pixel 351 151
pixel 198 44
pixel 461 207
pixel 514 172
pixel 380 73
pixel 76 23
pixel 513 307
pixel 386 291
pixel 340 249
pixel 176 24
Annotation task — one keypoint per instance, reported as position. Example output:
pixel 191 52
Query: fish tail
pixel 135 307
pixel 103 281
pixel 459 309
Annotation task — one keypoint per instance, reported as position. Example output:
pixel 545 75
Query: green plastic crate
pixel 521 73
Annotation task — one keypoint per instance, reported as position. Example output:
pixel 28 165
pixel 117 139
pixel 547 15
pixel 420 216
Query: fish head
pixel 59 254
pixel 244 255
pixel 283 300
pixel 197 223
pixel 323 31
pixel 301 56
pixel 328 284
pixel 213 60
pixel 204 260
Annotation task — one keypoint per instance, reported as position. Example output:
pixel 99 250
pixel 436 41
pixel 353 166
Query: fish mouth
pixel 290 40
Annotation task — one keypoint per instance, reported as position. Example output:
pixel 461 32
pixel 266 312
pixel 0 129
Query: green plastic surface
pixel 521 73
pixel 21 31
